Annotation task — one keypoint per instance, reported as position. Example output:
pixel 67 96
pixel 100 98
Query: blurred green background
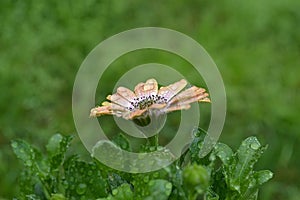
pixel 256 45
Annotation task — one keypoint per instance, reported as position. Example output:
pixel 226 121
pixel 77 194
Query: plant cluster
pixel 222 174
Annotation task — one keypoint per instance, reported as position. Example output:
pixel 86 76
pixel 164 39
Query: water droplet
pixel 160 148
pixel 156 174
pixel 236 187
pixel 65 184
pixel 146 179
pixel 200 144
pixel 83 197
pixel 168 186
pixel 81 188
pixel 115 192
pixel 196 133
pixel 14 144
pixel 28 162
pixel 254 146
pixel 151 183
pixel 152 149
pixel 72 187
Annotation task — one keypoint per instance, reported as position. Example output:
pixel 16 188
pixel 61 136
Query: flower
pixel 147 100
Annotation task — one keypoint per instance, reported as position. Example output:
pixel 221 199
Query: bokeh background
pixel 256 45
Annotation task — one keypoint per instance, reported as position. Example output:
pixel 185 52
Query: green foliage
pixel 53 176
pixel 221 175
pixel 255 45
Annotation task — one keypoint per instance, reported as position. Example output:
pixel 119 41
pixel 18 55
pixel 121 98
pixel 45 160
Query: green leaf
pixel 115 180
pixel 158 189
pixel 54 144
pixel 32 174
pixel 123 192
pixel 245 158
pixel 257 179
pixel 223 152
pixel 57 147
pixel 196 145
pixel 211 195
pixel 122 142
pixel 24 152
pixel 177 180
pixel 83 179
pixel 58 197
pixel 262 176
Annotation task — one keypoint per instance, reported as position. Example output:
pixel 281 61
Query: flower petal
pixel 126 93
pixel 171 90
pixel 100 110
pixel 177 107
pixel 108 108
pixel 146 89
pixel 135 113
pixel 120 100
pixel 158 106
pixel 190 95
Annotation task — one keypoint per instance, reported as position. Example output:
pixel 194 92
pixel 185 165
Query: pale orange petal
pixel 199 98
pixel 120 100
pixel 100 110
pixel 207 100
pixel 135 113
pixel 108 108
pixel 178 107
pixel 190 95
pixel 139 89
pixel 146 89
pixel 126 93
pixel 169 91
pixel 158 106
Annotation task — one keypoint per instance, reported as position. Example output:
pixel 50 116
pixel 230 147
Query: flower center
pixel 146 101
